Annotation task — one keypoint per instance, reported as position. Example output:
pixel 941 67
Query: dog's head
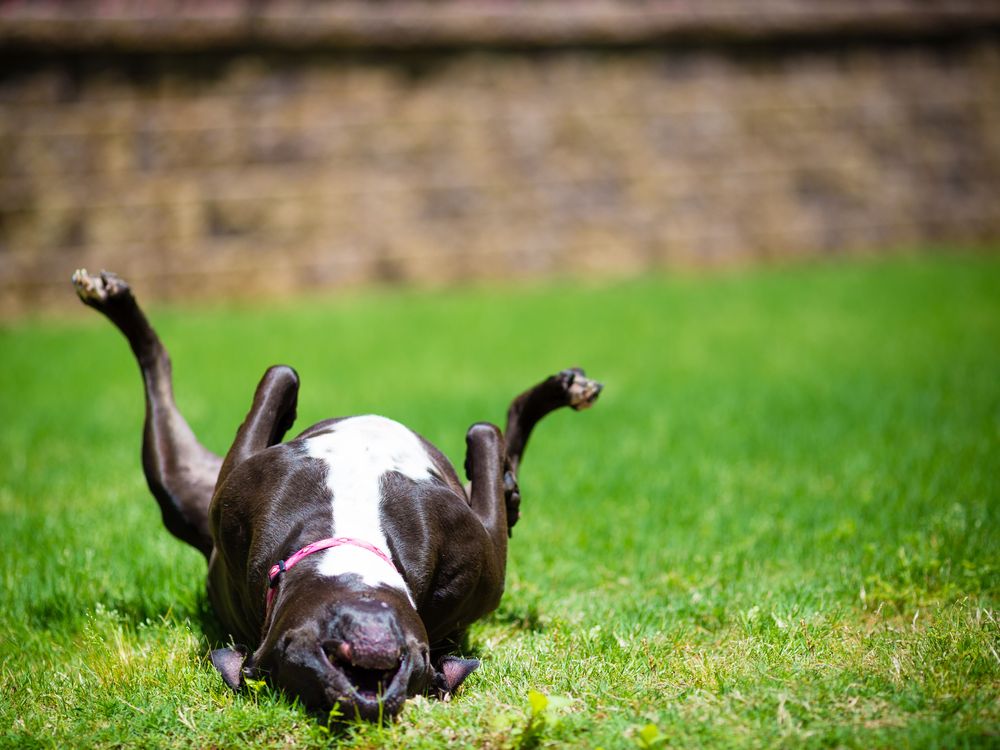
pixel 339 644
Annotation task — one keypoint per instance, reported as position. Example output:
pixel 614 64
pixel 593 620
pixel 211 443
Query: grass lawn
pixel 780 526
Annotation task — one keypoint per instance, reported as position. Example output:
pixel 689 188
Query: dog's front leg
pixel 270 417
pixel 484 466
pixel 180 472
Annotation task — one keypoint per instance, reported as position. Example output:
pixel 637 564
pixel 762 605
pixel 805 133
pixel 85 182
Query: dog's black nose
pixel 368 653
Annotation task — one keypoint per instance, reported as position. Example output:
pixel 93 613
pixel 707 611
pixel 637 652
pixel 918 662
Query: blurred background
pixel 247 148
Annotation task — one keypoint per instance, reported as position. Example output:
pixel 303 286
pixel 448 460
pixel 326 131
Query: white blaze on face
pixel 357 452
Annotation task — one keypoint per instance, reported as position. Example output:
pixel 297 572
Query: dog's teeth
pixel 345 652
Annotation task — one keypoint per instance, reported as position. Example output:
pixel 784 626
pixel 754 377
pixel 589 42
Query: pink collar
pixel 274 574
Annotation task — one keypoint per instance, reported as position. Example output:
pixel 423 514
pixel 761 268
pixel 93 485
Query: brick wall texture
pixel 240 172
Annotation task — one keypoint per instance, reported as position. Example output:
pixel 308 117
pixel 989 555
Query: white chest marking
pixel 357 452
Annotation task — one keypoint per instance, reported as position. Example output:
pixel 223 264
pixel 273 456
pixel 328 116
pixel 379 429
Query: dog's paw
pixel 99 290
pixel 581 392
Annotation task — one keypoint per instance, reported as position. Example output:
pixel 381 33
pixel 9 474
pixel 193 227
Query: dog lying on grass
pixel 349 560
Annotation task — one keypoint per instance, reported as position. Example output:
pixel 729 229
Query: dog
pixel 349 560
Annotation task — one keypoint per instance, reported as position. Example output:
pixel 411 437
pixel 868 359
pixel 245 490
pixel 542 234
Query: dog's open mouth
pixel 369 674
pixel 369 682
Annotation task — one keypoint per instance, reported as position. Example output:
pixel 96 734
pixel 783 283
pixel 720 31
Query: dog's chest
pixel 358 452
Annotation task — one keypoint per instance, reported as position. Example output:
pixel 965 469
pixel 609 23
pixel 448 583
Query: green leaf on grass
pixel 538 702
pixel 649 736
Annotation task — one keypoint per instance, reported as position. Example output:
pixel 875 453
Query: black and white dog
pixel 351 559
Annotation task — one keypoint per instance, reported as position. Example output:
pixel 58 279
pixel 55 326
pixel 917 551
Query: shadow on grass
pixel 59 612
pixel 211 629
pixel 527 618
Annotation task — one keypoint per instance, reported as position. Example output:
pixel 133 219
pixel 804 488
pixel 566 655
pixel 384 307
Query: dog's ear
pixel 229 662
pixel 450 673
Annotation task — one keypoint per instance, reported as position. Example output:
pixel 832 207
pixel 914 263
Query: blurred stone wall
pixel 203 166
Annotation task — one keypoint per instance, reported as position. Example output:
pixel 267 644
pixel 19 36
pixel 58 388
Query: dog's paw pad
pixel 581 391
pixel 98 290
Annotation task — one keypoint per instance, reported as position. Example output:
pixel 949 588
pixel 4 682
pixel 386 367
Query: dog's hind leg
pixel 567 388
pixel 180 472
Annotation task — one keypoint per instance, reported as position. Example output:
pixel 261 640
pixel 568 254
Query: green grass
pixel 779 526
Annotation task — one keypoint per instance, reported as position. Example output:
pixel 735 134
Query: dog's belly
pixel 358 452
